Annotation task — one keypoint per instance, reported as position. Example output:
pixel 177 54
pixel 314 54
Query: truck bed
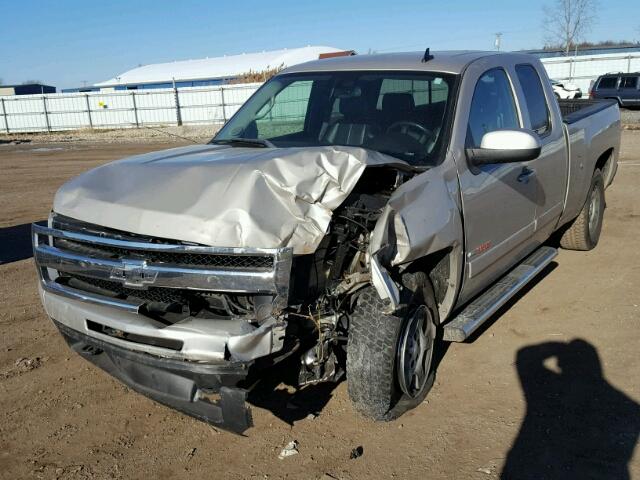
pixel 577 109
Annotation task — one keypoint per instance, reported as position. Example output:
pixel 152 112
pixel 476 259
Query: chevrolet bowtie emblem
pixel 134 274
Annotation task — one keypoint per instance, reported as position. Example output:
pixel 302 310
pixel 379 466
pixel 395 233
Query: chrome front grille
pixel 140 269
pixel 199 260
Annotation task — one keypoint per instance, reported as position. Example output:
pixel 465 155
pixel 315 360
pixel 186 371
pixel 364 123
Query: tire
pixel 584 232
pixel 379 344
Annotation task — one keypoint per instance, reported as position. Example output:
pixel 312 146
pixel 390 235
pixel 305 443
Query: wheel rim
pixel 595 205
pixel 415 351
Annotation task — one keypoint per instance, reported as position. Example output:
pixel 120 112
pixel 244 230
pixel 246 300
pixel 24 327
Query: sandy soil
pixel 523 393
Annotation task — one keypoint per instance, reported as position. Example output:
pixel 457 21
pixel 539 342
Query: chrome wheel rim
pixel 594 212
pixel 415 351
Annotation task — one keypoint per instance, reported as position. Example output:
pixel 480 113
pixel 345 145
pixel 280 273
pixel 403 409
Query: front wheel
pixel 584 232
pixel 390 357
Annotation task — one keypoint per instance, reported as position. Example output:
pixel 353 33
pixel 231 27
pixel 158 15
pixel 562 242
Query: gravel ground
pixel 551 382
pixel 630 117
pixel 195 133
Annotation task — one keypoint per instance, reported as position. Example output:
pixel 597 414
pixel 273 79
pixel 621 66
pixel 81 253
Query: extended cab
pixel 351 209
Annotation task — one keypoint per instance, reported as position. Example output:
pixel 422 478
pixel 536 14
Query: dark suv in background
pixel 623 87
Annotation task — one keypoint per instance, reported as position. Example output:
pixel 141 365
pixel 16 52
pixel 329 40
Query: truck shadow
pixel 577 425
pixel 277 392
pixel 15 243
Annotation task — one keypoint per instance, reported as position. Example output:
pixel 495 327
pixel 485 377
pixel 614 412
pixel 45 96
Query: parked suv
pixel 622 87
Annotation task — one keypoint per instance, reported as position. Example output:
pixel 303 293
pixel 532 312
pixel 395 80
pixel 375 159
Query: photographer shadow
pixel 577 426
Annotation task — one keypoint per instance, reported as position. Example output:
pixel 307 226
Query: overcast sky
pixel 64 43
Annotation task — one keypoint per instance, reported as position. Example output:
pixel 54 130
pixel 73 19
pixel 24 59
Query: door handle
pixel 525 175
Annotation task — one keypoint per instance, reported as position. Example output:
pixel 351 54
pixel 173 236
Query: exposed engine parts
pixel 324 296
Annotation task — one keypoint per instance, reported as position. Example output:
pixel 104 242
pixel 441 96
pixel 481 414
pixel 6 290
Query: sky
pixel 66 43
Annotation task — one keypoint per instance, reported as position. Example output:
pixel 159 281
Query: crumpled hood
pixel 222 196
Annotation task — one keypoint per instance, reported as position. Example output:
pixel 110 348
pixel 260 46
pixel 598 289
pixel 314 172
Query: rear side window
pixel 608 82
pixel 534 98
pixel 629 82
pixel 492 107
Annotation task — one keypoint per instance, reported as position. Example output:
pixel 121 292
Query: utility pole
pixel 498 40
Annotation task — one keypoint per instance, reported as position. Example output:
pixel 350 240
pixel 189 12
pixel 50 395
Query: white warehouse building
pixel 212 71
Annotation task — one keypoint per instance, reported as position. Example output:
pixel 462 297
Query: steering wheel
pixel 405 126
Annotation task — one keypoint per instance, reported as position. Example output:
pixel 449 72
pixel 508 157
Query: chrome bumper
pixel 200 339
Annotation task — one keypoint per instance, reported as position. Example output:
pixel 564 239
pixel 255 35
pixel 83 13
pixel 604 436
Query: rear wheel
pixel 389 357
pixel 584 232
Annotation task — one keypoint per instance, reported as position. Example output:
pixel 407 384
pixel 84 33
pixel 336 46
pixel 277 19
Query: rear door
pixel 629 93
pixel 551 166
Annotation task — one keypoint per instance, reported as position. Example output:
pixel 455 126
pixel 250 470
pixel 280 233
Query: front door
pixel 499 201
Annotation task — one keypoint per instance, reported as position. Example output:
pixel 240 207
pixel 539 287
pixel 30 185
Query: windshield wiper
pixel 244 142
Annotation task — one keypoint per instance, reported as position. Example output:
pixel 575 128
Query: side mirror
pixel 506 146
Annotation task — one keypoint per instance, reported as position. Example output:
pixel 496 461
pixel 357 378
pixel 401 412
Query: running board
pixel 481 308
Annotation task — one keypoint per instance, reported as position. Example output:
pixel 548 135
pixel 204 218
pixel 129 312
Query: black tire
pixel 584 232
pixel 373 353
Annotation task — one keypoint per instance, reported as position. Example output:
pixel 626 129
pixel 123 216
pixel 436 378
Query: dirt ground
pixel 550 388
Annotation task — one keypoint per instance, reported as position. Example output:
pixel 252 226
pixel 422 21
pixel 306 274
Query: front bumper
pixel 193 338
pixel 206 391
pixel 194 364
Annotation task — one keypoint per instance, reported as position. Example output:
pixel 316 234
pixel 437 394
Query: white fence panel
pixel 25 114
pixel 234 98
pixel 67 112
pixel 201 105
pixel 3 117
pixel 113 110
pixel 156 106
pixel 584 69
pixel 122 109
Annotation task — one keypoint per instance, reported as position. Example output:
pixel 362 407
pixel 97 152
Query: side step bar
pixel 481 308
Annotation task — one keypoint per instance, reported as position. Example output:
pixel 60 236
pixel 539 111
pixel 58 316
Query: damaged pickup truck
pixel 353 212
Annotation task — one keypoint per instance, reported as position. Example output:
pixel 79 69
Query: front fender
pixel 423 217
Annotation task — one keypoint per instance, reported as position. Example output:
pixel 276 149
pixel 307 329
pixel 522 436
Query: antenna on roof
pixel 427 56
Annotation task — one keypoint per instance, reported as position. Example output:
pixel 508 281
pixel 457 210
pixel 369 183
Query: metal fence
pixel 583 69
pixel 122 109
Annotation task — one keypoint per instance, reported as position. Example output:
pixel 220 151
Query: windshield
pixel 402 114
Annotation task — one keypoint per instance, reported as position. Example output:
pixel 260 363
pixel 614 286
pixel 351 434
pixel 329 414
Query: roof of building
pixel 445 61
pixel 15 85
pixel 218 67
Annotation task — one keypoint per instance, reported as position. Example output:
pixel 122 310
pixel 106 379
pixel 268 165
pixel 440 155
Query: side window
pixel 534 98
pixel 492 107
pixel 608 82
pixel 629 82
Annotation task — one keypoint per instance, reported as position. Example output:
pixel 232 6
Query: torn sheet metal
pixel 222 196
pixel 421 217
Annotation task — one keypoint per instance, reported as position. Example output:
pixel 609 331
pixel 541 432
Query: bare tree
pixel 566 22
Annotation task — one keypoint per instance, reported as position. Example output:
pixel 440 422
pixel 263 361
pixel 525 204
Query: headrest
pixel 352 106
pixel 397 102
